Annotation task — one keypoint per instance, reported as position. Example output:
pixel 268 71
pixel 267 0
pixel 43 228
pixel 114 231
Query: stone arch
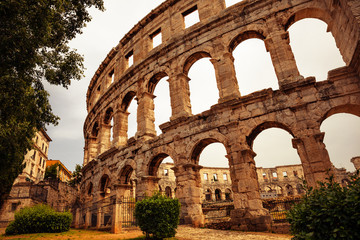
pixel 90 189
pixel 197 146
pixel 308 13
pixel 345 108
pixel 154 81
pixel 104 185
pixel 95 130
pixel 127 100
pixel 218 195
pixel 192 59
pixel 263 126
pixel 125 174
pixel 168 192
pixel 108 115
pixel 155 163
pixel 228 194
pixel 154 160
pixel 244 36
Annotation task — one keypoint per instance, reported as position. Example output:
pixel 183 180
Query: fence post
pixel 116 223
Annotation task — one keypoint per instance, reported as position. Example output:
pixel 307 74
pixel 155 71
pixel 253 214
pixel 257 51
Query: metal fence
pixel 279 208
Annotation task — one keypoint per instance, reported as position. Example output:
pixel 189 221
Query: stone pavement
pixel 187 232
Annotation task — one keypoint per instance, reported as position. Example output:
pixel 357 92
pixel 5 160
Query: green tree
pixel 76 176
pixel 328 212
pixel 52 171
pixel 34 36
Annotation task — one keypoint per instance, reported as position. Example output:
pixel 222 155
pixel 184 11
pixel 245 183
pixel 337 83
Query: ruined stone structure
pixel 133 68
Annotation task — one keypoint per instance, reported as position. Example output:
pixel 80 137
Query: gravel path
pixel 187 232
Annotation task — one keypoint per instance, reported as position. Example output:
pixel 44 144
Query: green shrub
pixel 37 219
pixel 329 212
pixel 158 216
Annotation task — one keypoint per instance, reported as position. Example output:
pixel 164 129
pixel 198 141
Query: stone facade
pixel 132 69
pixel 35 159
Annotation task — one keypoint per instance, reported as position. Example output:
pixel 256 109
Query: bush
pixel 329 212
pixel 37 219
pixel 158 216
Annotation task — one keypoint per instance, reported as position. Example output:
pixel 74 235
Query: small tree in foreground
pixel 158 216
pixel 39 219
pixel 328 212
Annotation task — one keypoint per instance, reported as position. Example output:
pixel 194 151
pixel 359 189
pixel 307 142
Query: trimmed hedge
pixel 328 212
pixel 38 219
pixel 158 216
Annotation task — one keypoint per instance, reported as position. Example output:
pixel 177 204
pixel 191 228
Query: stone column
pixel 116 223
pixel 145 116
pixel 314 157
pixel 120 128
pixel 249 214
pixel 104 138
pixel 99 218
pixel 87 218
pixel 278 44
pixel 226 77
pixel 188 191
pixel 147 186
pixel 179 96
pixel 93 148
pixel 77 218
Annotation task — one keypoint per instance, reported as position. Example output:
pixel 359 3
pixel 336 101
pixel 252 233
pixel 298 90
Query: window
pixel 40 161
pixel 264 175
pixel 43 165
pixel 130 58
pixel 45 149
pixel 284 174
pixel 166 172
pixel 37 138
pixel 34 155
pixel 42 147
pixel 191 17
pixel 14 206
pixel 215 177
pixel 111 76
pixel 295 173
pixel 274 174
pixel 225 177
pixel 205 176
pixel 156 38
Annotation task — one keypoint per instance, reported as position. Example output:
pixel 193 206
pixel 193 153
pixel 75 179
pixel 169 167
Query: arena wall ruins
pixel 299 106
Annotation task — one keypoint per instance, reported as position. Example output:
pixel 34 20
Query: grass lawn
pixel 77 234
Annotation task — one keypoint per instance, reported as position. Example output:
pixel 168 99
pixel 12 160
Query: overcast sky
pixel 315 52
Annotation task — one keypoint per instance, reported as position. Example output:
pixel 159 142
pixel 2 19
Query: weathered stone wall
pixel 299 107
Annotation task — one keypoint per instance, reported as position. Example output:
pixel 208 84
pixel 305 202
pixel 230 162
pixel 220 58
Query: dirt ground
pixel 183 233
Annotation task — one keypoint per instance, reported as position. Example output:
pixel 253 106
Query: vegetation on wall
pixel 39 219
pixel 34 36
pixel 158 216
pixel 328 212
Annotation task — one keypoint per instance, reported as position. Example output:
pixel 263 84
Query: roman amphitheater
pixel 132 69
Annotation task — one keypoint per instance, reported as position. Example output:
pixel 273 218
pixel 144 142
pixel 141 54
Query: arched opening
pixel 277 162
pixel 253 65
pixel 314 48
pixel 228 195
pixel 208 195
pixel 289 190
pixel 342 136
pixel 95 130
pixel 90 190
pixel 159 86
pixel 218 195
pixel 162 166
pixel 202 74
pixel 127 179
pixel 168 192
pixel 105 186
pixel 109 123
pixel 129 105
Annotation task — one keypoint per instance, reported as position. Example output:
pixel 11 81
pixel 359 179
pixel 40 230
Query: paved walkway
pixel 187 232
